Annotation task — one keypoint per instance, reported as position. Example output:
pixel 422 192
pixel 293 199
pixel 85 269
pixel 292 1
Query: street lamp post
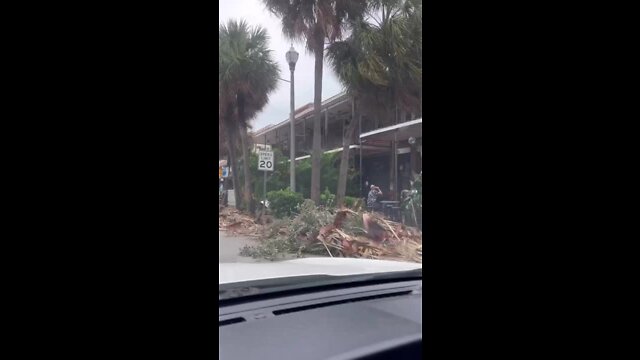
pixel 292 58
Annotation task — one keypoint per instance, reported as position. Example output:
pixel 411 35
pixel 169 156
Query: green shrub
pixel 284 202
pixel 271 248
pixel 408 210
pixel 294 236
pixel 328 176
pixel 276 180
pixel 350 201
pixel 327 199
pixel 279 178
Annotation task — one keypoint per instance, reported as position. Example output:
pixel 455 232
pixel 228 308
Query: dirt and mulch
pixel 326 232
pixel 232 220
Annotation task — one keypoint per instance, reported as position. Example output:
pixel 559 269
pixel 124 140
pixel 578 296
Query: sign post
pixel 265 163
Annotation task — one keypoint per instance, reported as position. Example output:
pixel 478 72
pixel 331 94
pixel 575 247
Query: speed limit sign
pixel 265 160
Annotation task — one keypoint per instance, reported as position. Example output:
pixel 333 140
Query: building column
pixel 326 129
pixel 393 161
pixel 413 159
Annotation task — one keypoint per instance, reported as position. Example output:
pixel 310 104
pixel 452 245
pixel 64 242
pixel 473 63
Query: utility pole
pixel 292 58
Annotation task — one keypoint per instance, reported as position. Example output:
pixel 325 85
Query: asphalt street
pixel 229 248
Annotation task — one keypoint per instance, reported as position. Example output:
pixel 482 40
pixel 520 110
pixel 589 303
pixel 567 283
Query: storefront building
pixel 387 156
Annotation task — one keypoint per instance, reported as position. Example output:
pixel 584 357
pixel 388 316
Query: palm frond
pixel 247 73
pixel 381 60
pixel 314 21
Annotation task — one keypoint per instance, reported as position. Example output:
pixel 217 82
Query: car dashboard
pixel 376 321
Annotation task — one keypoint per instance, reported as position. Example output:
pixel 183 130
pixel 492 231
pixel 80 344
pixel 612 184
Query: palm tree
pixel 315 21
pixel 380 64
pixel 387 50
pixel 247 75
pixel 228 127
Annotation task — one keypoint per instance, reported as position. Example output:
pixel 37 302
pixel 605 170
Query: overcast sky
pixel 254 12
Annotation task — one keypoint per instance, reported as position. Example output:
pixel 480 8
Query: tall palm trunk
pixel 247 194
pixel 344 158
pixel 231 146
pixel 316 155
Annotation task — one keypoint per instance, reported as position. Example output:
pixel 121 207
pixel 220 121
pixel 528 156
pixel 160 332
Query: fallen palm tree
pixel 382 239
pixel 342 233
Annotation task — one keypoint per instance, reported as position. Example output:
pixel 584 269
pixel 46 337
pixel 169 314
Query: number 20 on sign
pixel 265 160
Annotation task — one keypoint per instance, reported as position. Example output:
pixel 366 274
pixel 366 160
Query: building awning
pixel 365 148
pixel 399 132
pixel 341 99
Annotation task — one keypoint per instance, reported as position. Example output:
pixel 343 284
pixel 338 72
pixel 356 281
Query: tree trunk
pixel 247 194
pixel 316 155
pixel 344 160
pixel 233 162
pixel 242 131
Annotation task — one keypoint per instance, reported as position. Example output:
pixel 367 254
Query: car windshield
pixel 320 142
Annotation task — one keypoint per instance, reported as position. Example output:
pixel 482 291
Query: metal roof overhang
pixel 366 149
pixel 399 132
pixel 328 104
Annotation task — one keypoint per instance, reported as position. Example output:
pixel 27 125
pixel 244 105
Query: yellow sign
pixel 219 172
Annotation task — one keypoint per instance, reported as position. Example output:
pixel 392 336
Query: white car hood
pixel 237 272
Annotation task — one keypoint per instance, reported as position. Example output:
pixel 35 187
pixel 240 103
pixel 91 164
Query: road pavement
pixel 229 247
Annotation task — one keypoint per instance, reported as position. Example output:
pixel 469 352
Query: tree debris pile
pixel 341 233
pixel 381 239
pixel 232 220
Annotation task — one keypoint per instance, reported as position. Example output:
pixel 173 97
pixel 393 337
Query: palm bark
pixel 233 161
pixel 316 157
pixel 344 158
pixel 247 194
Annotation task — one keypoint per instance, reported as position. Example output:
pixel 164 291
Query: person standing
pixel 372 197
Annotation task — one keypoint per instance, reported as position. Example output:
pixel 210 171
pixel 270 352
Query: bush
pixel 276 180
pixel 279 178
pixel 293 236
pixel 271 248
pixel 327 199
pixel 418 186
pixel 408 211
pixel 329 174
pixel 350 202
pixel 284 202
